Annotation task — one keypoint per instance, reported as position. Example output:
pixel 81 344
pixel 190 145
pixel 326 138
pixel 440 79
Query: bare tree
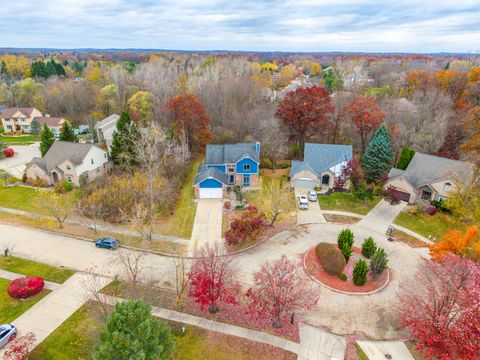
pixel 182 280
pixel 273 140
pixel 133 264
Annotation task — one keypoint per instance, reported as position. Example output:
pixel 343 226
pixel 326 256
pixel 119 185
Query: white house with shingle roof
pixel 106 128
pixel 429 177
pixel 76 163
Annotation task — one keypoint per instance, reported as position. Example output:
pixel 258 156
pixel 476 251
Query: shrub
pixel 379 262
pixel 332 261
pixel 363 193
pixel 267 163
pixel 368 247
pixel 360 272
pixel 430 210
pixel 25 287
pixel 36 182
pixel 345 242
pixel 346 251
pixel 392 195
pixel 67 186
pixel 24 178
pixel 342 277
pixel 8 152
pixel 249 225
pixel 441 205
pixel 283 166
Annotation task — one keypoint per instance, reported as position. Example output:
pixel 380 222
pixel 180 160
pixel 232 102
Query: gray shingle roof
pixel 112 119
pixel 204 173
pixel 61 151
pixel 426 169
pixel 230 153
pixel 321 157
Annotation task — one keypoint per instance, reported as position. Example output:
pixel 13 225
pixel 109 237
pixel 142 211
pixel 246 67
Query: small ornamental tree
pixel 377 159
pixel 19 348
pixel 249 225
pixel 67 133
pixel 132 333
pixel 441 308
pixel 392 195
pixel 345 243
pixel 360 272
pixel 279 289
pixel 379 262
pixel 46 140
pixel 368 247
pixel 212 280
pixel 454 242
pixel 353 173
pixel 405 157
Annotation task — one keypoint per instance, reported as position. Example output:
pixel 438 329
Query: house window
pixel 231 168
pixel 9 127
pixel 246 167
pixel 426 195
pixel 447 187
pixel 246 180
pixel 69 167
pixel 7 119
pixel 231 179
pixel 92 161
pixel 22 120
pixel 98 169
pixel 69 179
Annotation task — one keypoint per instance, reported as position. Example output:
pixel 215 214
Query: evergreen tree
pixel 46 140
pixel 379 262
pixel 132 334
pixel 405 157
pixel 39 69
pixel 35 127
pixel 67 133
pixel 360 272
pixel 3 68
pixel 51 68
pixel 122 149
pixel 377 159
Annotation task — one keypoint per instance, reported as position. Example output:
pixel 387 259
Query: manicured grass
pixel 180 223
pixel 427 225
pixel 23 198
pixel 346 202
pixel 33 268
pixel 75 339
pixel 19 140
pixel 10 308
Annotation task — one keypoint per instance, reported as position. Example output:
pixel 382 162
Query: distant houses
pixel 20 120
pixel 105 130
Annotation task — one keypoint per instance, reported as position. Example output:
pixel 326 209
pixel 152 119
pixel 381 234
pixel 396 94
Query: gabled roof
pixel 230 153
pixel 108 121
pixel 9 112
pixel 321 157
pixel 61 151
pixel 204 173
pixel 425 169
pixel 50 121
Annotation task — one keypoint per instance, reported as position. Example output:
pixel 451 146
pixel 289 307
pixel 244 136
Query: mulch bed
pixel 315 270
pixel 341 219
pixel 409 240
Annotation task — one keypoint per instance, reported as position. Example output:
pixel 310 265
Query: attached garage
pixel 305 183
pixel 404 196
pixel 211 189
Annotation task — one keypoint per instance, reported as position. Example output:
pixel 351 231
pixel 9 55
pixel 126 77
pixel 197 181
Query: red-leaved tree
pixel 280 289
pixel 441 308
pixel 212 280
pixel 392 195
pixel 249 225
pixel 366 115
pixel 190 119
pixel 307 111
pixel 353 173
pixel 19 348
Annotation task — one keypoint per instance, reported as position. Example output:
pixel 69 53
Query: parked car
pixel 312 195
pixel 302 202
pixel 107 243
pixel 8 332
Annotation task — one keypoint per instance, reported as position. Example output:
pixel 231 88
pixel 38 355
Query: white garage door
pixel 211 193
pixel 305 183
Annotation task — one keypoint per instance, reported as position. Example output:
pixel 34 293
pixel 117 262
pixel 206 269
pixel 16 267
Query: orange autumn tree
pixel 465 245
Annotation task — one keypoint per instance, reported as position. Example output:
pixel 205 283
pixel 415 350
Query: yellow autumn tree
pixel 454 242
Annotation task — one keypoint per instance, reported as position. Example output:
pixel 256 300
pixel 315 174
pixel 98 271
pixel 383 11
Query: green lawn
pixel 33 268
pixel 180 223
pixel 10 308
pixel 360 353
pixel 347 202
pixel 427 225
pixel 23 198
pixel 19 140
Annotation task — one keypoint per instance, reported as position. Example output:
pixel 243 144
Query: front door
pixel 426 195
pixel 325 180
pixel 55 178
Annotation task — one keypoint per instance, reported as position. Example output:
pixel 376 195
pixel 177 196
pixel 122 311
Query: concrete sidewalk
pixel 50 312
pixel 380 349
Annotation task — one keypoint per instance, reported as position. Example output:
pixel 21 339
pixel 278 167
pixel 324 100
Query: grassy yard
pixel 18 140
pixel 33 268
pixel 10 308
pixel 347 202
pixel 76 338
pixel 24 198
pixel 427 225
pixel 180 223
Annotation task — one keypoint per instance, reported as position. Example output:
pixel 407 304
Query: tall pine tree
pixel 377 159
pixel 67 133
pixel 46 140
pixel 122 149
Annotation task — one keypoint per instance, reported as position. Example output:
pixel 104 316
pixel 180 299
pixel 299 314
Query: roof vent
pixel 257 146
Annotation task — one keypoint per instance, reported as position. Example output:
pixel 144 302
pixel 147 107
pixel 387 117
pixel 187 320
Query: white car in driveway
pixel 312 195
pixel 302 202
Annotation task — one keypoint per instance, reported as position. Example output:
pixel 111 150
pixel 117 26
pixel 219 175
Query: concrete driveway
pixel 23 155
pixel 207 228
pixel 312 215
pixel 381 216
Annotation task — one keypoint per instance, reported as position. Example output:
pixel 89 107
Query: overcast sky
pixel 261 25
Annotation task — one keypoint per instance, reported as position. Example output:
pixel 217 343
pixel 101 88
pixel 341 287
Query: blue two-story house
pixel 227 165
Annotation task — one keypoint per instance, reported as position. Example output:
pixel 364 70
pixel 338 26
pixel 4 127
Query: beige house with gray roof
pixel 18 119
pixel 76 163
pixel 430 177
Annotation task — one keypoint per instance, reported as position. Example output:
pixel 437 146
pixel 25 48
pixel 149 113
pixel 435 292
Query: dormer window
pixel 231 168
pixel 246 167
pixel 92 161
pixel 447 187
pixel 69 167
